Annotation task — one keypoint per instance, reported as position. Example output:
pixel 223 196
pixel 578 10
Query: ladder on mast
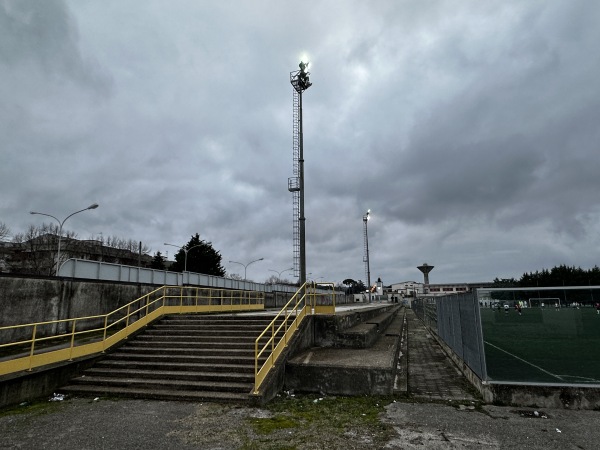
pixel 294 183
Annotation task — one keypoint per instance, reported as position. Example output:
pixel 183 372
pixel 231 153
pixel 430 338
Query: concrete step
pixel 190 343
pixel 170 374
pixel 202 326
pixel 156 394
pixel 209 359
pixel 179 350
pixel 217 322
pixel 156 383
pixel 174 366
pixel 366 334
pixel 201 332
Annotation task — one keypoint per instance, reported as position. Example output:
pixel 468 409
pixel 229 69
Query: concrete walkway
pixel 431 374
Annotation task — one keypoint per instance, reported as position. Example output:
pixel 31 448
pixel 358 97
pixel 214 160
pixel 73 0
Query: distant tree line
pixel 562 275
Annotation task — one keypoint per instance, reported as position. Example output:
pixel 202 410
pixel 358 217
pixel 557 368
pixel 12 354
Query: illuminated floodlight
pixel 304 76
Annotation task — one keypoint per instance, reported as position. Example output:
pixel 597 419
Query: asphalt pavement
pixel 441 411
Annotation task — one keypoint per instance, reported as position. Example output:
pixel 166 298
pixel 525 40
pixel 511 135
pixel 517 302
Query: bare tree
pixel 234 276
pixel 38 247
pixel 4 231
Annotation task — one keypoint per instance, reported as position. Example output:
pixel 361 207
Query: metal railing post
pixel 32 348
pixel 104 335
pixel 72 340
pixel 127 321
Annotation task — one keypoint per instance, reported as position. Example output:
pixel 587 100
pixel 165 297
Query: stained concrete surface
pixel 79 424
pixel 442 426
pixel 440 412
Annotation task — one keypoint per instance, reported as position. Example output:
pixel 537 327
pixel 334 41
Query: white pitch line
pixel 581 378
pixel 526 362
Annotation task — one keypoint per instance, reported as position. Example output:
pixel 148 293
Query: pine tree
pixel 201 258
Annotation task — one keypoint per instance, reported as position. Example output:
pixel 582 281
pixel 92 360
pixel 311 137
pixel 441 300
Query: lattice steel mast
pixel 300 82
pixel 366 218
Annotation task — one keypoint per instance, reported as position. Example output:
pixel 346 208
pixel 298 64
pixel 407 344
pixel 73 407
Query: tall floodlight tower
pixel 366 218
pixel 300 81
pixel 425 268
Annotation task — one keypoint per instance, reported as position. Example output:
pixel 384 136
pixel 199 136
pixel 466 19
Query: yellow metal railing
pixel 280 330
pixel 43 343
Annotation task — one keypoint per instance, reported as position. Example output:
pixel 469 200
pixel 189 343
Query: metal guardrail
pixel 95 334
pixel 306 301
pixel 98 270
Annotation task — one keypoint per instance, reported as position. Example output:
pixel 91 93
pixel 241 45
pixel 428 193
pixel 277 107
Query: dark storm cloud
pixel 469 129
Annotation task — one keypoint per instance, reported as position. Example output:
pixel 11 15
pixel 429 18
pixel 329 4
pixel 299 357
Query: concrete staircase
pixel 183 357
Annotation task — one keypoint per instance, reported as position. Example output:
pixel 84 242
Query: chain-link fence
pixel 456 320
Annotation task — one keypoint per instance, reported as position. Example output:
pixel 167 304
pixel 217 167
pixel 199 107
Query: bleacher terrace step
pixel 163 383
pixel 170 374
pixel 215 359
pixel 182 395
pixel 173 351
pixel 175 366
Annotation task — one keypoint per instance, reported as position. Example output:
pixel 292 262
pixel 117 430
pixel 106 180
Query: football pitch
pixel 542 345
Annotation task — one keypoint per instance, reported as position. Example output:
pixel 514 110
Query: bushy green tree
pixel 354 287
pixel 158 262
pixel 201 258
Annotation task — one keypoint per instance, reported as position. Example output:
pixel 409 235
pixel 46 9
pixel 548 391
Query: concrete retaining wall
pixel 29 300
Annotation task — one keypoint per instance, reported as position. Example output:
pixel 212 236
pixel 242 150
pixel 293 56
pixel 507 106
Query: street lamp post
pixel 185 250
pixel 366 218
pixel 246 265
pixel 279 273
pixel 92 206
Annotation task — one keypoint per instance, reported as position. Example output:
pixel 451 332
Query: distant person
pixel 556 305
pixel 543 305
pixel 519 309
pixel 505 308
pixel 597 308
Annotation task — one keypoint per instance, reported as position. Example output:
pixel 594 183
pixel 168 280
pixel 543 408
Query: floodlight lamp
pixel 303 66
pixel 93 206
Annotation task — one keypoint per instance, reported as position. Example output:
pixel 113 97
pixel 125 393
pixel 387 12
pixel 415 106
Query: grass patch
pixel 320 422
pixel 271 424
pixel 33 409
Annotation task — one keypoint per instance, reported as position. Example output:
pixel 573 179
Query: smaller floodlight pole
pixel 366 218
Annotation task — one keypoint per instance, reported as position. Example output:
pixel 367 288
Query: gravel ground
pixel 292 422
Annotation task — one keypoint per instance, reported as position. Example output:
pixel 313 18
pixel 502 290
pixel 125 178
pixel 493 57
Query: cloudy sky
pixel 470 129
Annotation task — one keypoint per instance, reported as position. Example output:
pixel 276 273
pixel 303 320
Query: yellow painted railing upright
pixel 305 301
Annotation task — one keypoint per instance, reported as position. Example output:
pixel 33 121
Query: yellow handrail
pixel 302 303
pixel 116 325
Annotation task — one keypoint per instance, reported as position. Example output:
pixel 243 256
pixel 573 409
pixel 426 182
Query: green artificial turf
pixel 542 345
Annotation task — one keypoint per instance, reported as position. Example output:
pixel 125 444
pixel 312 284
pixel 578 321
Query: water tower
pixel 425 268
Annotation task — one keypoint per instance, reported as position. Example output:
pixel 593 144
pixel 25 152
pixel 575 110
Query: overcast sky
pixel 471 130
